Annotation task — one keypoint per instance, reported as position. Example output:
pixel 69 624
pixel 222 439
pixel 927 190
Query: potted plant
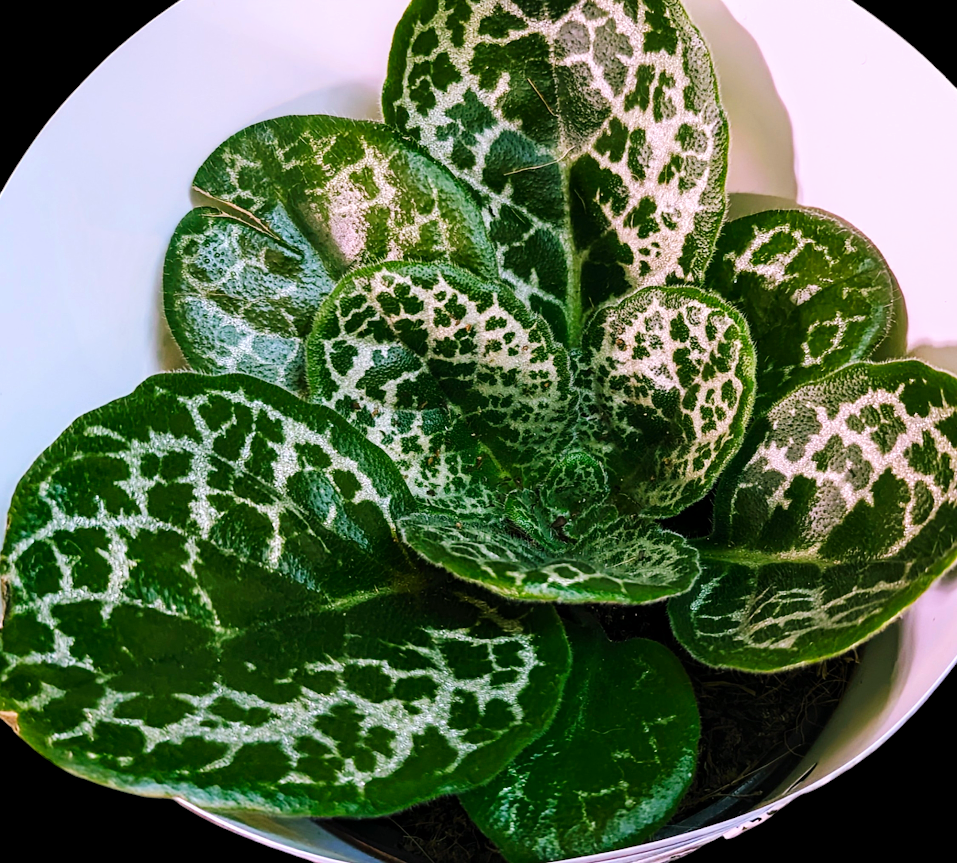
pixel 543 100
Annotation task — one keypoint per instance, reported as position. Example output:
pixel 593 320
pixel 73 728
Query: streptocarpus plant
pixel 458 369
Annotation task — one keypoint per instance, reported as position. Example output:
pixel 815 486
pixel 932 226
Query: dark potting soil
pixel 754 730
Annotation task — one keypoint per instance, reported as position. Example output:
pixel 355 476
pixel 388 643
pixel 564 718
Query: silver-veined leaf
pixel 453 377
pixel 242 299
pixel 672 374
pixel 612 767
pixel 205 598
pixel 838 512
pixel 576 482
pixel 302 200
pixel 590 128
pixel 625 559
pixel 816 292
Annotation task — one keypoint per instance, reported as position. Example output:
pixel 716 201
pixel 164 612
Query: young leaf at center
pixel 671 373
pixel 615 559
pixel 450 374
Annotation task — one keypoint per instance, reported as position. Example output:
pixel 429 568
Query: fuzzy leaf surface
pixel 205 598
pixel 591 128
pixel 303 200
pixel 816 292
pixel 839 511
pixel 451 375
pixel 625 560
pixel 239 298
pixel 612 767
pixel 672 377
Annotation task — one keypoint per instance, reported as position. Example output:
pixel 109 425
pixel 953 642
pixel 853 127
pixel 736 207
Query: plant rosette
pixel 454 374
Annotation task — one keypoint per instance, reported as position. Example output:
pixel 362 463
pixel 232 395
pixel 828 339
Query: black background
pixel 897 802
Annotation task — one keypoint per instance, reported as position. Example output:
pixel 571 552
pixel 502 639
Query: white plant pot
pixel 86 217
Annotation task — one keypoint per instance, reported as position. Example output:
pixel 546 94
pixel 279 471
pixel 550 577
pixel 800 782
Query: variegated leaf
pixel 241 299
pixel 766 614
pixel 302 201
pixel 448 373
pixel 672 371
pixel 228 460
pixel 612 767
pixel 816 292
pixel 591 129
pixel 625 560
pixel 838 512
pixel 576 482
pixel 205 598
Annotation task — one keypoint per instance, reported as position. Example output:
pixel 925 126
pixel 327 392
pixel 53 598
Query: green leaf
pixel 576 481
pixel 301 201
pixel 242 299
pixel 590 128
pixel 672 373
pixel 839 511
pixel 619 559
pixel 449 374
pixel 817 294
pixel 229 460
pixel 767 615
pixel 206 599
pixel 612 767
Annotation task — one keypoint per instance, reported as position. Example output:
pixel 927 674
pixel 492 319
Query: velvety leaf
pixel 766 614
pixel 839 510
pixel 302 201
pixel 591 129
pixel 817 294
pixel 576 481
pixel 625 560
pixel 205 598
pixel 229 460
pixel 448 373
pixel 672 371
pixel 612 767
pixel 241 299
